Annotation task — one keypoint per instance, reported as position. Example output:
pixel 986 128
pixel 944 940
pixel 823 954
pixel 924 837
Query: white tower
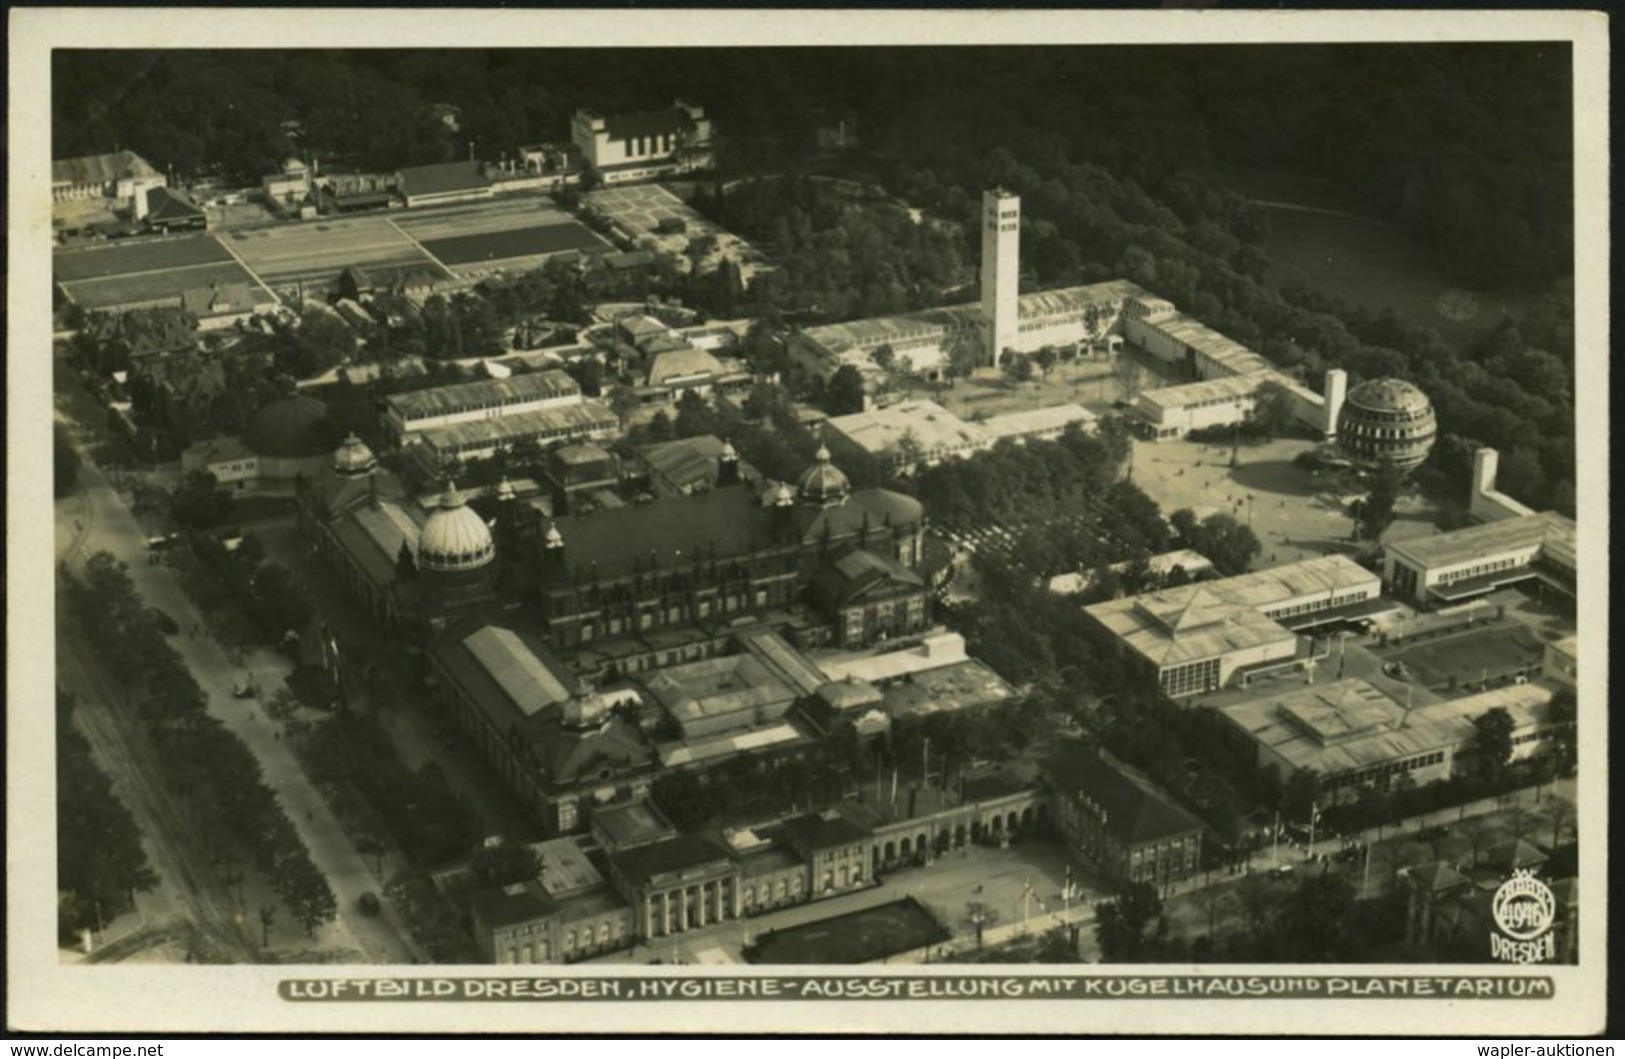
pixel 1334 392
pixel 1001 262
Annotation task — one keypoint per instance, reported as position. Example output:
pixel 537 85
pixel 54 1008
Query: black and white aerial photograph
pixel 951 509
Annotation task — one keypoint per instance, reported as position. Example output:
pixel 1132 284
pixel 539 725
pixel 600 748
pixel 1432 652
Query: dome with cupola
pixel 454 537
pixel 353 458
pixel 824 484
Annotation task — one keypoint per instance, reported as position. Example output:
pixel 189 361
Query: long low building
pixel 1452 567
pixel 477 439
pixel 1351 734
pixel 1214 634
pixel 916 433
pixel 408 413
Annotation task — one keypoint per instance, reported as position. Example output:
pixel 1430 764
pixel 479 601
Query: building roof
pixel 825 829
pixel 858 571
pixel 715 688
pixel 686 462
pixel 783 660
pixel 512 679
pixel 1348 725
pixel 372 535
pixel 1387 395
pixel 1548 530
pixel 102 169
pixel 685 363
pixel 571 420
pixel 220 450
pixel 666 121
pixel 738 741
pixel 1198 626
pixel 225 299
pixel 632 824
pixel 1185 395
pixel 934 428
pixel 167 205
pixel 468 396
pixel 1236 358
pixel 566 871
pixel 682 856
pixel 506 906
pixel 292 427
pixel 443 178
pixel 767 860
pixel 669 532
pixel 1136 810
pixel 1036 421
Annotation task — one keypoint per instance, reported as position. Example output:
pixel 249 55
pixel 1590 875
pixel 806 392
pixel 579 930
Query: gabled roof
pixel 101 169
pixel 670 120
pixel 1136 810
pixel 681 364
pixel 857 572
pixel 505 906
pixel 1437 877
pixel 166 205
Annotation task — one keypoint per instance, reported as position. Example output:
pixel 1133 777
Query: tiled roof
pixel 169 205
pixel 1137 811
pixel 465 396
pixel 101 169
pixel 824 830
pixel 670 120
pixel 684 853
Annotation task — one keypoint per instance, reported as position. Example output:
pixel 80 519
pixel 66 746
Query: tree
pixel 199 501
pixel 1018 369
pixel 1128 373
pixel 885 357
pixel 963 356
pixel 1046 359
pixel 1272 412
pixel 1490 746
pixel 1375 512
pixel 845 393
pixel 1561 713
pixel 623 401
pixel 1121 922
pixel 503 864
pixel 1230 545
pixel 65 464
pixel 908 452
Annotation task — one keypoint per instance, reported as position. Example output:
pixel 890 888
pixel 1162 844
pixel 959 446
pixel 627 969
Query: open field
pixel 148 287
pixel 1469 655
pixel 313 252
pixel 498 216
pixel 123 259
pixel 856 937
pixel 492 246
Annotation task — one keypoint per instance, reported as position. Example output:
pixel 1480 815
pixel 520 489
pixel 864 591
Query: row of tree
pixel 100 863
pixel 216 777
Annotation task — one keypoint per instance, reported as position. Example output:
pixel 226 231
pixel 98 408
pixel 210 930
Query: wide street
pixel 96 519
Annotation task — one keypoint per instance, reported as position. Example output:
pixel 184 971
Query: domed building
pixel 1387 423
pixel 292 437
pixel 454 539
pixel 823 484
pixel 711 559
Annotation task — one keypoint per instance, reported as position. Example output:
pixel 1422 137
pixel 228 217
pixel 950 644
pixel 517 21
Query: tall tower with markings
pixel 1001 263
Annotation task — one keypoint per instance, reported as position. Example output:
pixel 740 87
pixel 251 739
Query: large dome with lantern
pixel 454 537
pixel 1387 423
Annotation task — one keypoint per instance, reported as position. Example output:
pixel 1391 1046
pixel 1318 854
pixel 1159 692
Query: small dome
pixel 823 483
pixel 784 496
pixel 728 452
pixel 505 489
pixel 454 537
pixel 291 427
pixel 353 457
pixel 1387 423
pixel 554 538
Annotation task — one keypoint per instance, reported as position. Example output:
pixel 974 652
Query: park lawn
pixel 1468 655
pixel 155 286
pixel 512 243
pixel 120 259
pixel 856 937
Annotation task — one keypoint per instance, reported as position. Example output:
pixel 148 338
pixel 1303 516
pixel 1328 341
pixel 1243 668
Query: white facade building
pixel 1001 269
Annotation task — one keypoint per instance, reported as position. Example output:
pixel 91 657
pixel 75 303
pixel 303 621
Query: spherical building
pixel 1387 423
pixel 454 538
pixel 291 437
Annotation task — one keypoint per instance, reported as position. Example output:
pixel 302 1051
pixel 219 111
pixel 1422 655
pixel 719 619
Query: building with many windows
pixel 712 558
pixel 1448 568
pixel 643 145
pixel 1214 634
pixel 407 414
pixel 1352 735
pixel 1116 816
